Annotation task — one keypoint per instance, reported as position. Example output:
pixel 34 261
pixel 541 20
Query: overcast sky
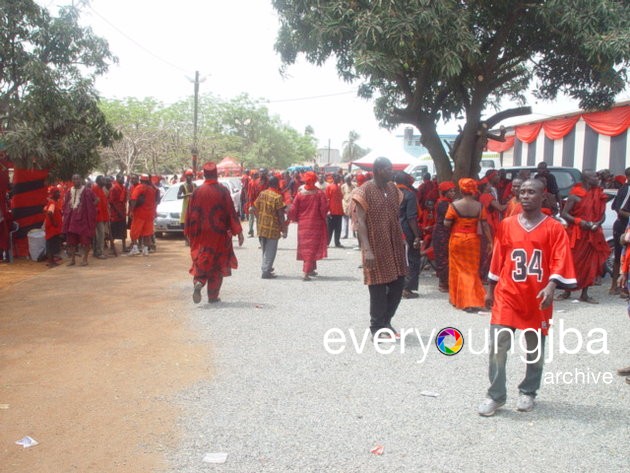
pixel 160 45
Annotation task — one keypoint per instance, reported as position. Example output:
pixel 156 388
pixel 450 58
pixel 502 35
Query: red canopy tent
pixel 229 167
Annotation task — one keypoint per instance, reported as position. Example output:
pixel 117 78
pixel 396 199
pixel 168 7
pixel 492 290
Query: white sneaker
pixel 145 251
pixel 489 406
pixel 134 251
pixel 525 403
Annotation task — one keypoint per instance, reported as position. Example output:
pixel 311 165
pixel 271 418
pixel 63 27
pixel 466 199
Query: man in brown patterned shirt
pixel 383 250
pixel 269 210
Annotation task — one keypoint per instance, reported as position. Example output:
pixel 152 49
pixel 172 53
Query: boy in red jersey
pixel 531 258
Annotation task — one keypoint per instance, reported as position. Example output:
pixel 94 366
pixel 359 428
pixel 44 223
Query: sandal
pixel 588 300
pixel 564 296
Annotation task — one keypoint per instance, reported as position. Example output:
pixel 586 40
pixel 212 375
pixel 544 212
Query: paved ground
pixel 280 402
pixel 270 395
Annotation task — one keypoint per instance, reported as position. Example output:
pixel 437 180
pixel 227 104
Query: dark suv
pixel 565 177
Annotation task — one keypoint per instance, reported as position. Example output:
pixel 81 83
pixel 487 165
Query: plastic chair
pixel 14 228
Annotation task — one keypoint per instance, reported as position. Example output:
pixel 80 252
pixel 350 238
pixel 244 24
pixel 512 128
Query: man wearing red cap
pixel 52 225
pixel 142 209
pixel 211 222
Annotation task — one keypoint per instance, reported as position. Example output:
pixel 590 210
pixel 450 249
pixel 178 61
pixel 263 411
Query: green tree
pixel 157 138
pixel 351 150
pixel 49 114
pixel 426 60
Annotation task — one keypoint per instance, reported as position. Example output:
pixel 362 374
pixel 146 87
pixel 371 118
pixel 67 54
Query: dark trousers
pixel 384 300
pixel 334 226
pixel 500 344
pixel 413 259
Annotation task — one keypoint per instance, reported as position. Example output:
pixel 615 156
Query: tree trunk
pixel 431 141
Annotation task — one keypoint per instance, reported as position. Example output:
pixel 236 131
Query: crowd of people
pixel 498 248
pixel 90 216
pixel 503 246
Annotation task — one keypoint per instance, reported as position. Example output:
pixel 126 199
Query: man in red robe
pixel 211 222
pixel 79 219
pixel 142 208
pixel 585 212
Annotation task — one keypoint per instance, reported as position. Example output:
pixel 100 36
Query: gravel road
pixel 278 401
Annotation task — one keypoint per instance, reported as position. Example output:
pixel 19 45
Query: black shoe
pixel 339 246
pixel 268 275
pixel 407 294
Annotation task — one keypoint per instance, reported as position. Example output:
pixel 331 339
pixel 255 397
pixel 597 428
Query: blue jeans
pixel 500 343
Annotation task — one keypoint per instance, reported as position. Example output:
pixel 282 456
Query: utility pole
pixel 328 151
pixel 194 150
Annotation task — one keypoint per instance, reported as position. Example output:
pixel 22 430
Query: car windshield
pixel 564 179
pixel 171 193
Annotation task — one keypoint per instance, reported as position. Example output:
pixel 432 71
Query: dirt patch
pixel 90 358
pixel 18 271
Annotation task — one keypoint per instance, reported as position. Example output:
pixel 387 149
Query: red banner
pixel 560 127
pixel 501 146
pixel 528 133
pixel 609 123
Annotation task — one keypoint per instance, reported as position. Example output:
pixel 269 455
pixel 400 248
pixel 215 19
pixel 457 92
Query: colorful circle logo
pixel 449 341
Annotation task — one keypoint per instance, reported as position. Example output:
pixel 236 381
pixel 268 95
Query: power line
pixel 312 97
pixel 148 51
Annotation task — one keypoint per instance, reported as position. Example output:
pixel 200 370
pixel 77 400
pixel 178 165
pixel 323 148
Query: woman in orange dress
pixel 463 217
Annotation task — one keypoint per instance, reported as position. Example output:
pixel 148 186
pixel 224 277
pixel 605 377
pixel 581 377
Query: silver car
pixel 168 213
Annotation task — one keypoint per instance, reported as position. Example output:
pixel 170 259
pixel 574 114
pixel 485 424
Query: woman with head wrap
pixel 309 210
pixel 441 234
pixel 463 218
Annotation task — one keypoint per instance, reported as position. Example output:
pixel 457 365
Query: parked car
pixel 170 207
pixel 168 213
pixel 565 177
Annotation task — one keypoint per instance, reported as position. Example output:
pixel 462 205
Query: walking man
pixel 408 216
pixel 269 208
pixel 211 222
pixel 335 210
pixel 383 251
pixel 531 257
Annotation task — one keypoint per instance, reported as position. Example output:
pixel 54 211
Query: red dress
pixel 309 210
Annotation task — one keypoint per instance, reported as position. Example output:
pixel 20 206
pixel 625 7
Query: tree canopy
pixel 157 138
pixel 427 60
pixel 49 115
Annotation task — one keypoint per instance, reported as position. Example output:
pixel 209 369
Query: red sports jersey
pixel 523 262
